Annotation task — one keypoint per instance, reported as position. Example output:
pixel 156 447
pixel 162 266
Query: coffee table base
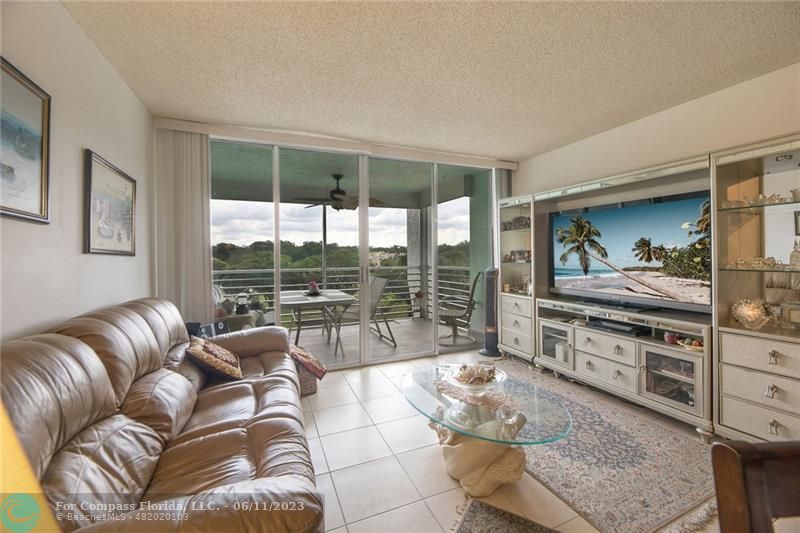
pixel 480 466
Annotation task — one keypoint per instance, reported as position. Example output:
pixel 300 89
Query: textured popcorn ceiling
pixel 503 80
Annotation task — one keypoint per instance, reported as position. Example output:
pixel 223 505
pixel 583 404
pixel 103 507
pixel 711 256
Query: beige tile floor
pixel 381 471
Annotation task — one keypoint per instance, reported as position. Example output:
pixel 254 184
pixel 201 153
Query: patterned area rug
pixel 481 517
pixel 618 469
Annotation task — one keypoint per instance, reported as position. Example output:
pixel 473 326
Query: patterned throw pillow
pixel 214 358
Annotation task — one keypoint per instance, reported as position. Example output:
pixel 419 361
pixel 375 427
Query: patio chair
pixel 377 286
pixel 458 308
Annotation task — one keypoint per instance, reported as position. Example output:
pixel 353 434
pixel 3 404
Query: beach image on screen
pixel 659 250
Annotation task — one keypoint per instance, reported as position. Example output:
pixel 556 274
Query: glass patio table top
pixel 546 419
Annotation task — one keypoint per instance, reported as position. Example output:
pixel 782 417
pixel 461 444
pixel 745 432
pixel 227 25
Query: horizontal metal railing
pixel 399 298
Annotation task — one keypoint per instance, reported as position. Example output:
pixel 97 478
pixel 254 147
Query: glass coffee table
pixel 482 437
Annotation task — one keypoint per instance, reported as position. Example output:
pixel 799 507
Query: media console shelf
pixel 622 351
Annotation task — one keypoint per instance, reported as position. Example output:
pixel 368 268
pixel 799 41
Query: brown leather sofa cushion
pixel 219 509
pixel 177 361
pixel 255 341
pixel 162 400
pixel 164 319
pixel 110 461
pixel 126 353
pixel 131 339
pixel 270 447
pixel 53 387
pixel 237 404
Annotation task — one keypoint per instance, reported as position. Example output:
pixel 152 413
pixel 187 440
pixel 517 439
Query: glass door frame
pixel 363 192
pixel 363 229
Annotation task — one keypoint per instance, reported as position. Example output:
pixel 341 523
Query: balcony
pixel 410 318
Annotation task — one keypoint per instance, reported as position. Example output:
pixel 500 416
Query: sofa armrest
pixel 283 503
pixel 255 341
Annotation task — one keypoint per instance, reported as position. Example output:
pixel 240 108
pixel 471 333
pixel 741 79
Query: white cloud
pixel 242 223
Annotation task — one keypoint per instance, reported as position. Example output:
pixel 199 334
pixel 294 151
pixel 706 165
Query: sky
pixel 621 228
pixel 242 223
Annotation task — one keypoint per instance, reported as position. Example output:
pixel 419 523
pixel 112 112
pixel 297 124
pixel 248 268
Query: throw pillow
pixel 214 358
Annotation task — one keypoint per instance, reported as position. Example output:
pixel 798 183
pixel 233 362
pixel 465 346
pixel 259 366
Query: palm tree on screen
pixel 581 238
pixel 643 249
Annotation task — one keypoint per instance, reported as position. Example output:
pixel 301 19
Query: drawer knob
pixel 642 369
pixel 516 340
pixel 617 349
pixel 773 427
pixel 516 323
pixel 586 341
pixel 589 365
pixel 773 357
pixel 616 374
pixel 568 347
pixel 770 392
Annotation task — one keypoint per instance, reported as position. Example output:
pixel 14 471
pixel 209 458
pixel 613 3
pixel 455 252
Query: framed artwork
pixel 110 208
pixel 797 223
pixel 24 147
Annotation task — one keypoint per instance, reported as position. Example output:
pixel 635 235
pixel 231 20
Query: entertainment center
pixel 633 282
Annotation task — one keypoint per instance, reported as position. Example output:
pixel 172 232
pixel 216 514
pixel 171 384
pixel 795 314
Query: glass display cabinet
pixel 516 275
pixel 757 291
pixel 516 259
pixel 757 234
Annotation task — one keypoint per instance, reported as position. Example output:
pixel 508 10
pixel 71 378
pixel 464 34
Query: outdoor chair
pixel 377 286
pixel 455 309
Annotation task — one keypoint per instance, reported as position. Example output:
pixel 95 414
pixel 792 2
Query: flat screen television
pixel 652 253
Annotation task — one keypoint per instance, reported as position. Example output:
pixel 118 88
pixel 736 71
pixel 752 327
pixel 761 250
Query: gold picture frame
pixel 24 147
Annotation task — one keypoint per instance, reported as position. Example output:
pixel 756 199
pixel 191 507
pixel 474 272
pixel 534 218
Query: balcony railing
pixel 398 301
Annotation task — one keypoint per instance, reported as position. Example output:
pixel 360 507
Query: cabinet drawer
pixel 608 346
pixel 517 340
pixel 517 323
pixel 776 357
pixel 616 375
pixel 518 306
pixel 758 421
pixel 765 389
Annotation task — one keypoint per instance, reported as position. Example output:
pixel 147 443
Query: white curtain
pixel 182 229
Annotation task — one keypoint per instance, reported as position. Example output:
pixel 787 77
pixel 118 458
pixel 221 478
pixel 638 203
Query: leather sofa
pixel 114 418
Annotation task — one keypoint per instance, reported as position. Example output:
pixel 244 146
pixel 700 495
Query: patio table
pixel 327 300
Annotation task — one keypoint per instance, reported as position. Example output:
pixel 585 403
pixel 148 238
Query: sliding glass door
pixel 464 252
pixel 396 250
pixel 319 250
pixel 242 234
pixel 401 289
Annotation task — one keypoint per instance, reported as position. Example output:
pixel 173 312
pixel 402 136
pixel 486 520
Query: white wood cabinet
pixel 643 369
pixel 756 373
pixel 516 275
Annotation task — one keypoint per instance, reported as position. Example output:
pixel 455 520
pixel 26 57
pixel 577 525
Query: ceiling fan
pixel 339 199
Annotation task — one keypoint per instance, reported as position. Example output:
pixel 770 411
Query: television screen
pixel 655 252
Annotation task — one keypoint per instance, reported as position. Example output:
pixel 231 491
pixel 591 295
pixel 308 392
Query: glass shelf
pixel 793 270
pixel 757 208
pixel 518 230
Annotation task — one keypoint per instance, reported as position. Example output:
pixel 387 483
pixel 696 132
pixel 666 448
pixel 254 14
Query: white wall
pixel 764 107
pixel 44 275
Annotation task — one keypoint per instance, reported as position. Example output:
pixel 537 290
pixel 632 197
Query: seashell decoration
pixel 752 314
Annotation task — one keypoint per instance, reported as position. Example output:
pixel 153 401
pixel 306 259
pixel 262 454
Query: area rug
pixel 480 517
pixel 618 469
